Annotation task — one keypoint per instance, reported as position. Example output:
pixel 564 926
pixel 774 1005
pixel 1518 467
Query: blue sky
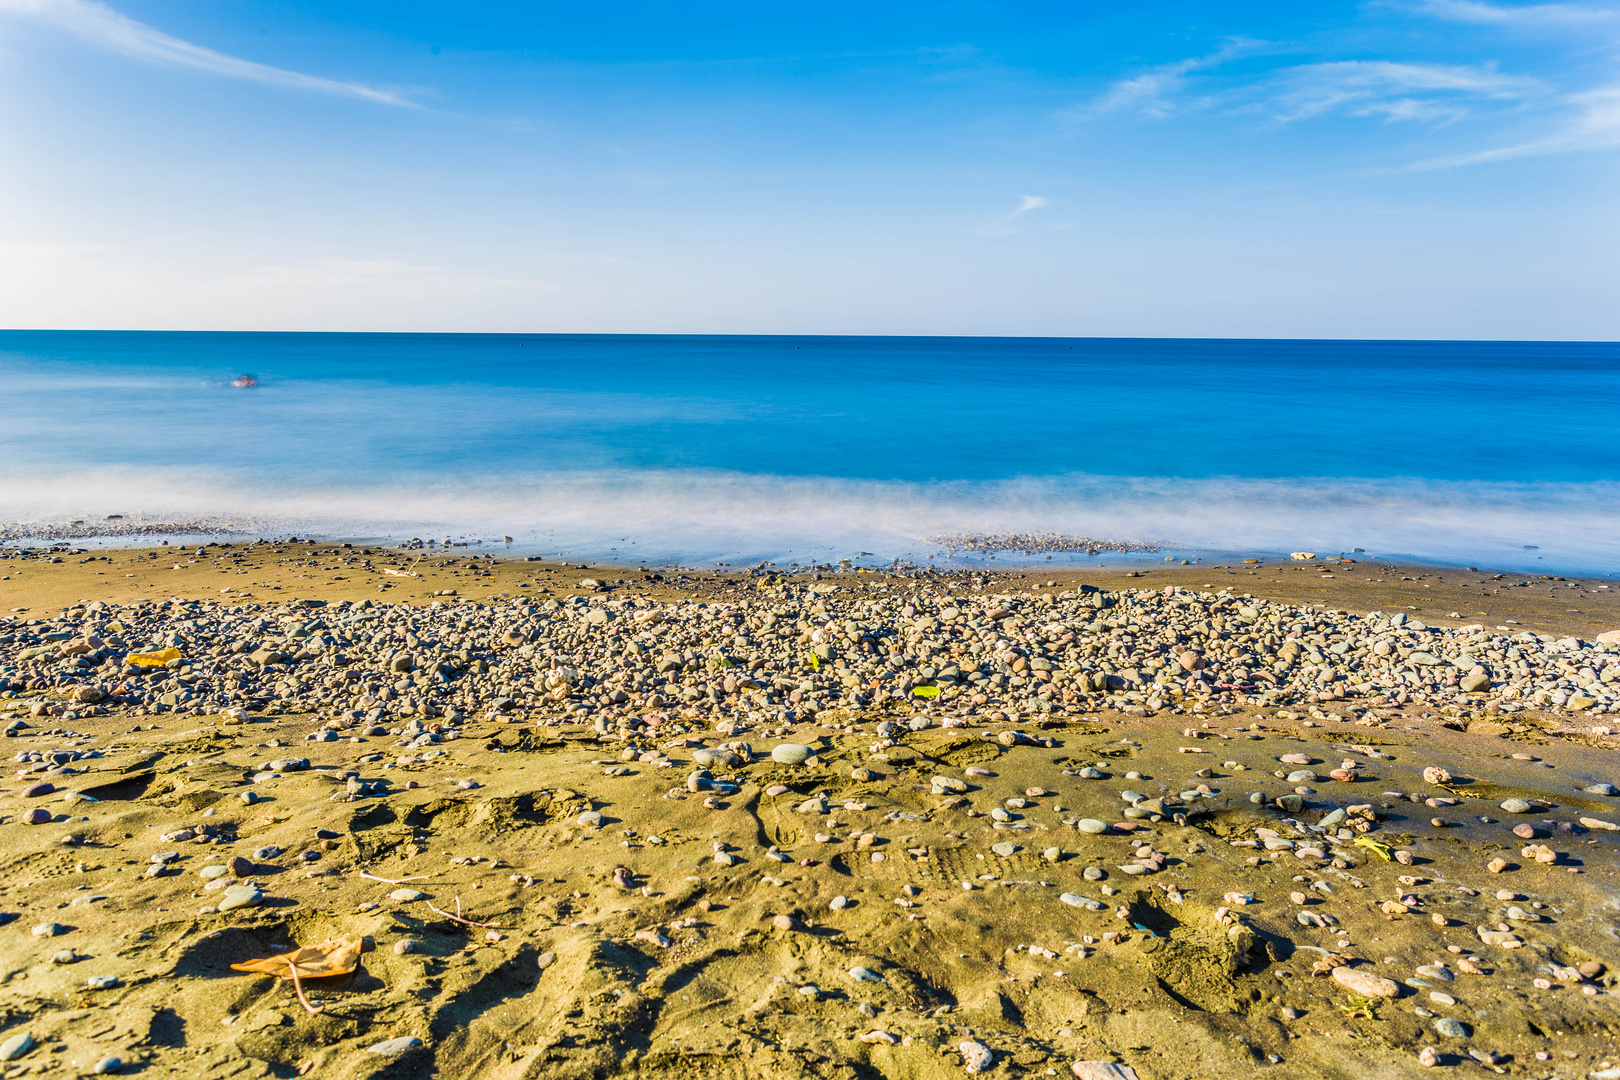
pixel 1398 168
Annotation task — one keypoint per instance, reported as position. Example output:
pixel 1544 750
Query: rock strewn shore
pixel 787 651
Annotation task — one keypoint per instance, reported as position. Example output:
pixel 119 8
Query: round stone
pixel 240 896
pixel 1516 806
pixel 791 754
pixel 1091 825
pixel 1451 1029
pixel 394 1047
pixel 1365 984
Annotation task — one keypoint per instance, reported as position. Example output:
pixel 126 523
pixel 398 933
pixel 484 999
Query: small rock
pixel 838 903
pixel 1365 984
pixel 101 982
pixel 976 1057
pixel 791 754
pixel 1091 825
pixel 1516 806
pixel 1602 789
pixel 406 896
pixel 1103 1070
pixel 1006 849
pixel 1451 1029
pixel 16 1046
pixel 109 1064
pixel 240 896
pixel 861 974
pixel 49 929
pixel 1428 1057
pixel 36 816
pixel 394 1047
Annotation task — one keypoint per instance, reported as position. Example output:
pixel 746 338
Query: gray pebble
pixel 394 1047
pixel 16 1046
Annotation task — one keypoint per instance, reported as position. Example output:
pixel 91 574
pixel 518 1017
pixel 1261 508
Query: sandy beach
pixel 564 821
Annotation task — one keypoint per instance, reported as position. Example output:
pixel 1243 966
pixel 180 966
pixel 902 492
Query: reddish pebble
pixel 1525 830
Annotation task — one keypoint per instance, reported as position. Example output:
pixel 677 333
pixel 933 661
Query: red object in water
pixel 244 381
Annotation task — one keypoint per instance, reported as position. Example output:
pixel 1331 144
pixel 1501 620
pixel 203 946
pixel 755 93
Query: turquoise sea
pixel 736 449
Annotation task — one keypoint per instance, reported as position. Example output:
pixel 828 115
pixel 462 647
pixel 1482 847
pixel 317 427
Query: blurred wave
pixel 712 515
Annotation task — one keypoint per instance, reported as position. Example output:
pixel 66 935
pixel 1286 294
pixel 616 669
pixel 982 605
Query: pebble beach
pixel 531 819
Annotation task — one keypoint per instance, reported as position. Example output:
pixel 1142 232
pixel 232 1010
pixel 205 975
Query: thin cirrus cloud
pixel 1593 123
pixel 101 25
pixel 1394 91
pixel 1007 223
pixel 1517 15
pixel 1155 92
pixel 1532 117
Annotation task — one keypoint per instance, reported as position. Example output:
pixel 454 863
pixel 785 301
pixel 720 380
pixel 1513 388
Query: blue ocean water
pixel 736 448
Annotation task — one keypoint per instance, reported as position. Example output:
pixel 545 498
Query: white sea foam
pixel 706 516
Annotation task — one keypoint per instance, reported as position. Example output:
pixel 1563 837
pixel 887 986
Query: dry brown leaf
pixel 336 957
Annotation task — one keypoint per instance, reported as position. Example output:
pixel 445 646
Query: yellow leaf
pixel 153 659
pixel 336 957
pixel 814 661
pixel 927 692
pixel 1381 850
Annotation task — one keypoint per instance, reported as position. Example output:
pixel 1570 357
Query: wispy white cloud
pixel 1393 91
pixel 1517 15
pixel 1593 124
pixel 1007 223
pixel 97 23
pixel 1155 91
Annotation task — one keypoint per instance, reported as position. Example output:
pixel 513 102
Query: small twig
pixel 298 989
pixel 459 919
pixel 394 881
